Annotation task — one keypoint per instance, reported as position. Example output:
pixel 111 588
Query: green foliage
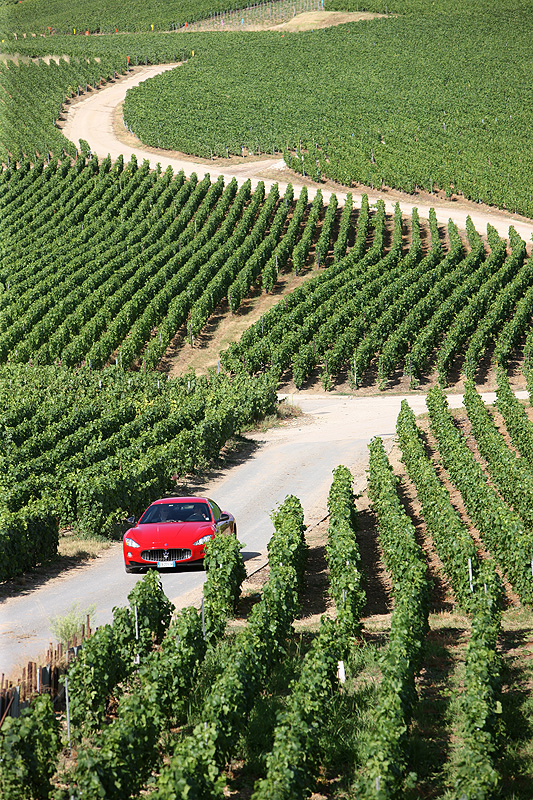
pixel 376 131
pixel 293 762
pixel 386 752
pixel 92 677
pixel 67 626
pixel 343 552
pixel 324 240
pixel 151 608
pixel 475 272
pixel 107 17
pixel 119 760
pixel 194 769
pixel 511 474
pixel 475 771
pixel 451 538
pixel 503 531
pixel 29 746
pixel 225 574
pixel 91 448
pixel 172 670
pixel 109 655
pixel 507 300
pixel 516 419
pixel 470 318
pixel 28 537
pixel 28 126
pixel 125 752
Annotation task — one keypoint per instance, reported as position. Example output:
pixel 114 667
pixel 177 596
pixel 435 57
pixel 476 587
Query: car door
pixel 223 525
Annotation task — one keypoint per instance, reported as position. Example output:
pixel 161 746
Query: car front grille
pixel 166 555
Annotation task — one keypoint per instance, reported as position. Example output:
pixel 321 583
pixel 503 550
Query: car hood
pixel 170 534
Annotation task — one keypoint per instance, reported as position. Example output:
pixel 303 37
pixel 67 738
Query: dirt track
pixel 97 120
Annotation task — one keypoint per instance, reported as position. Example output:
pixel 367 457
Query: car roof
pixel 181 500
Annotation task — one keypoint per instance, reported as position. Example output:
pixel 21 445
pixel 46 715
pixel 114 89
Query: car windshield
pixel 176 512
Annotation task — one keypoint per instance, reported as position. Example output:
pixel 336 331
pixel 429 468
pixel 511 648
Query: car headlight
pixel 203 539
pixel 131 542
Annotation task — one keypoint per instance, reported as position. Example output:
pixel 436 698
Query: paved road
pixel 296 459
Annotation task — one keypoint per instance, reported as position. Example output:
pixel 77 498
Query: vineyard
pixel 242 701
pixel 459 136
pixel 108 264
pixel 384 651
pixel 400 137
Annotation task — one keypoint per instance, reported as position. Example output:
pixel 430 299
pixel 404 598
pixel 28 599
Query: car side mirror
pixel 131 520
pixel 223 518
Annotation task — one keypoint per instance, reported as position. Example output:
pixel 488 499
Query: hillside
pixel 204 210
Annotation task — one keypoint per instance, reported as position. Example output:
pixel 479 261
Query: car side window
pixel 215 509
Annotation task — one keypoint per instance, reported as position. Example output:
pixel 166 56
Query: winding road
pixel 94 119
pixel 296 458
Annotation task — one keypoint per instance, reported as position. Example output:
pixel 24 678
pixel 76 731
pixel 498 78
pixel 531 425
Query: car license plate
pixel 161 564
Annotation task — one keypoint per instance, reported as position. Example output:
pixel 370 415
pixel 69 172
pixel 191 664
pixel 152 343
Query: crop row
pixel 511 474
pixel 479 705
pixel 504 533
pixel 451 538
pixel 129 257
pixel 387 753
pixel 479 590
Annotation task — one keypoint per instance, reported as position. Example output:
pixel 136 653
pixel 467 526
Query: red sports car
pixel 173 531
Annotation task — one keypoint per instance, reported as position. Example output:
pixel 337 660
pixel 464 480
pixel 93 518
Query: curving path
pixel 93 119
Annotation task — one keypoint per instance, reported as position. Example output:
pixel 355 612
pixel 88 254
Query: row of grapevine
pixel 398 343
pixel 479 704
pixel 478 588
pixel 511 474
pixel 479 739
pixel 239 249
pixel 503 532
pixel 280 256
pixel 386 758
pixel 344 558
pixel 477 270
pixel 474 313
pixel 255 264
pixel 109 656
pixel 409 288
pixel 283 331
pixel 506 301
pixel 226 572
pixel 515 416
pixel 451 538
pixel 293 762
